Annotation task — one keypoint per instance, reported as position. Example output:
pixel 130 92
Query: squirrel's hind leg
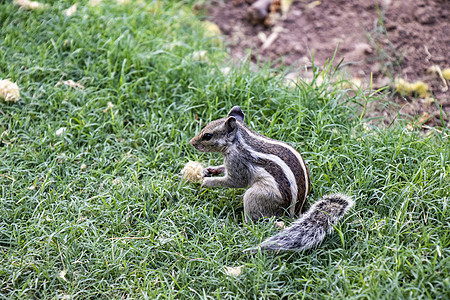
pixel 262 200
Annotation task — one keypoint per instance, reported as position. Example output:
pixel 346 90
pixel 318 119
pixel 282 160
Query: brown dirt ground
pixel 385 38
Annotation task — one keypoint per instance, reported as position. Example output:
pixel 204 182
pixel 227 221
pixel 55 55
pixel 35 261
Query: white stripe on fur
pixel 295 152
pixel 286 170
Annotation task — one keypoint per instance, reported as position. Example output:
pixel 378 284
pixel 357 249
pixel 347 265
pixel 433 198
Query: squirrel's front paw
pixel 206 172
pixel 212 171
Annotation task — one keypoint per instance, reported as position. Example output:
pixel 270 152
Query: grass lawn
pixel 92 205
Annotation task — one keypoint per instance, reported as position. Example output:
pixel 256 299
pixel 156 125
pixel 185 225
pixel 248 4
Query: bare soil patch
pixel 383 39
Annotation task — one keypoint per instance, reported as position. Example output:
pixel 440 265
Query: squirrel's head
pixel 218 135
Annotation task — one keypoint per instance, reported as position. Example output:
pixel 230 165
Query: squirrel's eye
pixel 207 136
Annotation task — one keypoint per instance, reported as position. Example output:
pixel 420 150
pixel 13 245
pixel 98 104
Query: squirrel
pixel 278 180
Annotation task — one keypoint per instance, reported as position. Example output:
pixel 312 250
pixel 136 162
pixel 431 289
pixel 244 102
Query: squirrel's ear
pixel 230 124
pixel 237 113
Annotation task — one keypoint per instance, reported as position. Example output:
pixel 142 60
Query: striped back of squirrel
pixel 281 161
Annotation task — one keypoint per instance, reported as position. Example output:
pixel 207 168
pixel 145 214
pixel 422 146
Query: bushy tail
pixel 310 229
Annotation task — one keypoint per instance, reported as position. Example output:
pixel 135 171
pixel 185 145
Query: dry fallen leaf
pixel 212 30
pixel 200 55
pixel 436 70
pixel 272 37
pixel 225 70
pixel 66 297
pixel 233 271
pixel 71 10
pixel 381 83
pixel 405 88
pixel 70 83
pixel 285 5
pixel 313 4
pixel 26 4
pixel 355 83
pixel 61 131
pixel 9 90
pixel 108 107
pixel 424 118
pixel 62 275
pixel 428 101
pixel 94 2
pixel 420 123
pixel 446 74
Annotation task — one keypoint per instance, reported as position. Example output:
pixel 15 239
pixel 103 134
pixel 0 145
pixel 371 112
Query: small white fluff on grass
pixel 108 107
pixel 70 83
pixel 233 271
pixel 9 90
pixel 61 131
pixel 192 171
pixel 26 4
pixel 71 10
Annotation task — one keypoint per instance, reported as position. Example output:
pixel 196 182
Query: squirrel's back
pixel 281 161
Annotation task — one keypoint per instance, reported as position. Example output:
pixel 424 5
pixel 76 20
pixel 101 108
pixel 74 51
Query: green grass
pixel 57 216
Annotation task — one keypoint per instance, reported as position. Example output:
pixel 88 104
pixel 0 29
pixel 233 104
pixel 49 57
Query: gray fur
pixel 288 157
pixel 237 113
pixel 278 179
pixel 310 229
